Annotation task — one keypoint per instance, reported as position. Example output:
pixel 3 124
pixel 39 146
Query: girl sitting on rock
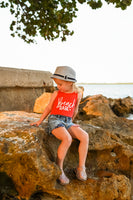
pixel 63 108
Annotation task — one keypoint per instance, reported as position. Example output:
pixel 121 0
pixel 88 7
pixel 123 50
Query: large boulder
pixel 41 102
pixel 122 107
pixel 95 106
pixel 28 167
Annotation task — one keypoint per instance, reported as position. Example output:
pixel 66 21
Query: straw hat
pixel 65 73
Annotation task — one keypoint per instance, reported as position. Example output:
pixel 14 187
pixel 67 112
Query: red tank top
pixel 64 104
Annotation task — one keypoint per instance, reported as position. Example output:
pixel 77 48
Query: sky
pixel 100 51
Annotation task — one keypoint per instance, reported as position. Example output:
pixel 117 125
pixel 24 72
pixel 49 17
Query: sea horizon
pixel 110 90
pixel 99 83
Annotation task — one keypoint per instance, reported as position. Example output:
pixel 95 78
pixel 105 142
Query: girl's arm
pixel 47 110
pixel 77 105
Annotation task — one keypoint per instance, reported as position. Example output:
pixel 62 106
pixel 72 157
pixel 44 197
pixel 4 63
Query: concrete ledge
pixel 11 77
pixel 19 88
pixel 19 98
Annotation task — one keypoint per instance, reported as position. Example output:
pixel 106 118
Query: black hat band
pixel 65 77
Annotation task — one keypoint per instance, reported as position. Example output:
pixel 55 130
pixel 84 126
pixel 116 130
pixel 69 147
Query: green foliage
pixel 48 18
pixel 120 3
pixel 95 4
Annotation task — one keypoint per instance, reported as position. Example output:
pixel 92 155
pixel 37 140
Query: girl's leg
pixel 83 137
pixel 62 134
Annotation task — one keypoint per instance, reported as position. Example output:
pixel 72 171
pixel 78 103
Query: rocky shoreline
pixel 28 170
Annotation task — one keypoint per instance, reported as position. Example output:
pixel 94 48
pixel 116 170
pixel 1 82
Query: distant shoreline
pixel 105 83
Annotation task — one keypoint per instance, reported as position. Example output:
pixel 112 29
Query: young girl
pixel 63 108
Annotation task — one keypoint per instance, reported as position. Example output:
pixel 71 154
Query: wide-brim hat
pixel 65 73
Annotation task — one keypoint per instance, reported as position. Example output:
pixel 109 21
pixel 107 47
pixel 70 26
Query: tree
pixel 49 18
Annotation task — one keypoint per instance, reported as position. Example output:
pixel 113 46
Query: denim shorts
pixel 56 121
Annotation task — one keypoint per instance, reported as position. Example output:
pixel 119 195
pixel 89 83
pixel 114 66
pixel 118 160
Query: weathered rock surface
pixel 28 155
pixel 41 102
pixel 122 107
pixel 117 154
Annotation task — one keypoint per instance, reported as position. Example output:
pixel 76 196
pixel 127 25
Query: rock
pixel 41 102
pixel 28 169
pixel 95 106
pixel 22 156
pixel 114 136
pixel 98 110
pixel 122 107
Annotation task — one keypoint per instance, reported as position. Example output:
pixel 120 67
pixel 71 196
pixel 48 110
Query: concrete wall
pixel 19 88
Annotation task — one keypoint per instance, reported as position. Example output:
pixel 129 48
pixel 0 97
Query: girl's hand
pixel 35 123
pixel 76 125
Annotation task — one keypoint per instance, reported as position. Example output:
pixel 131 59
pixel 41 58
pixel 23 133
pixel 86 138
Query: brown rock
pixel 113 135
pixel 122 107
pixel 28 155
pixel 41 102
pixel 95 106
pixel 22 156
pixel 115 181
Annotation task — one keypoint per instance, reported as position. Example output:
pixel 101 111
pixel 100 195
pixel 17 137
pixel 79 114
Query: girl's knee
pixel 85 138
pixel 68 139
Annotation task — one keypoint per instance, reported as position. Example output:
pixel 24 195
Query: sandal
pixel 81 173
pixel 63 179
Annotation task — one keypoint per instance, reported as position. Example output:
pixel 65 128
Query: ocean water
pixel 109 90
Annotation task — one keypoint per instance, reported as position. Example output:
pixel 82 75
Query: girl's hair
pixel 78 89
